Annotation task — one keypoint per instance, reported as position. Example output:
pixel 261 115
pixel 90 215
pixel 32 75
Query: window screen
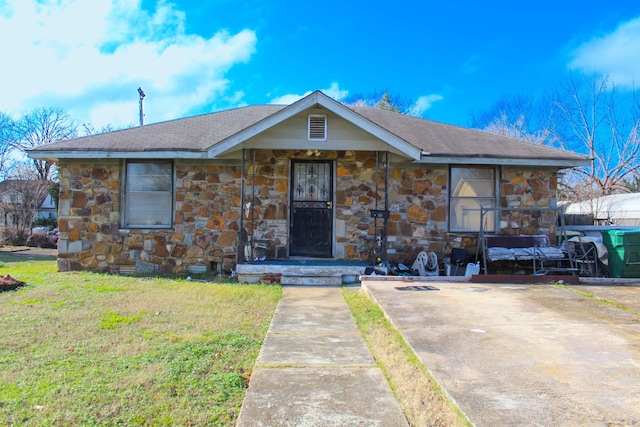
pixel 471 190
pixel 149 194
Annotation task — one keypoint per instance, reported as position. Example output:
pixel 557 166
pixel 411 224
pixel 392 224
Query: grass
pixel 605 301
pixel 423 401
pixel 94 349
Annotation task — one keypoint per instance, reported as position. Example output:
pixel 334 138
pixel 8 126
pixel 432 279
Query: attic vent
pixel 317 127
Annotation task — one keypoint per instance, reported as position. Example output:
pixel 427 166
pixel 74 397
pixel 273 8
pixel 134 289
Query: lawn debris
pixel 8 283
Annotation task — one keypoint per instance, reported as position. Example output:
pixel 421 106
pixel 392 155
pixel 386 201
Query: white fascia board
pixel 44 155
pixel 506 162
pixel 253 130
pixel 316 98
pixel 370 127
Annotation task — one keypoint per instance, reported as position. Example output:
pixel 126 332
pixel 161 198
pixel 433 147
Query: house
pixel 314 180
pixel 25 197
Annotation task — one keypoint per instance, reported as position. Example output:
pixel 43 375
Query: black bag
pixel 459 256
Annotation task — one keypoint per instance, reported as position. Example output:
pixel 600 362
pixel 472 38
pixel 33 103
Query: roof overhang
pixel 558 163
pixel 316 98
pixel 101 154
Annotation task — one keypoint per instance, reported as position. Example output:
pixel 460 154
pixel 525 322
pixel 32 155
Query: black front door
pixel 311 230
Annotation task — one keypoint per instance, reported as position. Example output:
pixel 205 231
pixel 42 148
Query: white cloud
pixel 616 54
pixel 423 103
pixel 90 56
pixel 332 92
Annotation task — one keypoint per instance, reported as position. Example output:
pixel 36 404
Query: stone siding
pixel 210 212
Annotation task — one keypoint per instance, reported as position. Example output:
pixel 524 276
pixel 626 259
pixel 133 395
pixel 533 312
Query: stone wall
pixel 204 235
pixel 418 204
pixel 210 213
pixel 89 216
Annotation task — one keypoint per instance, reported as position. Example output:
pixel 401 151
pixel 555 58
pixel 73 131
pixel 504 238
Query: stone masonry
pixel 210 212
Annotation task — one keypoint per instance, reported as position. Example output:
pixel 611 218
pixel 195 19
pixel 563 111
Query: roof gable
pixel 314 100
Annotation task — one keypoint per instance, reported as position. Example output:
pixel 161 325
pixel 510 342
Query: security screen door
pixel 311 227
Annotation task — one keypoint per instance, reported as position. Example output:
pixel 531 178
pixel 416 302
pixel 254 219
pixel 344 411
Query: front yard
pixel 93 349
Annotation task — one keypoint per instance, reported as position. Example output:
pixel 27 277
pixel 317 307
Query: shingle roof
pixel 189 134
pixel 443 140
pixel 200 133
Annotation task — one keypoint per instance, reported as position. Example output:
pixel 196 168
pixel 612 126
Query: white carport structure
pixel 616 209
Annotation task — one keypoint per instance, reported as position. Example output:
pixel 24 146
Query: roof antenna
pixel 142 95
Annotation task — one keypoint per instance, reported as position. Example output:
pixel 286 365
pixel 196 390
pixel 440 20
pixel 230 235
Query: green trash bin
pixel 623 247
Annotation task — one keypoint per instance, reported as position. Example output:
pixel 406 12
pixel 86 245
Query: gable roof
pixel 212 135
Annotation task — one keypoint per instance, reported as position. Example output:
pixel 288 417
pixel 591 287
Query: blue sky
pixel 193 57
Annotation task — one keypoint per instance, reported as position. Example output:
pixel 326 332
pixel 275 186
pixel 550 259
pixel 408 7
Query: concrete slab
pixel 316 349
pixel 311 321
pixel 307 397
pixel 523 354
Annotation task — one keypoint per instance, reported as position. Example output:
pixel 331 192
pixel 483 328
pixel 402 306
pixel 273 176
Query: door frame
pixel 332 214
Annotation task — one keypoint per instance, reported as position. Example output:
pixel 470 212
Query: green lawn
pixel 94 349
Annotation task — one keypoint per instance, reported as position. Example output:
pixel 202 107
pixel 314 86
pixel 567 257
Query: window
pixel 317 127
pixel 471 189
pixel 148 200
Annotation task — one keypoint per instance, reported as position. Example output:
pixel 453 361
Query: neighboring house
pixel 314 179
pixel 20 197
pixel 47 208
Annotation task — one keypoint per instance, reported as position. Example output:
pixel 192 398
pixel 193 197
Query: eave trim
pixel 563 163
pixel 159 154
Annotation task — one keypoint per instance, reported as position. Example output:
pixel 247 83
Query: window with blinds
pixel 148 201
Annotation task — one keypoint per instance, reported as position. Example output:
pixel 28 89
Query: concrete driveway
pixel 525 354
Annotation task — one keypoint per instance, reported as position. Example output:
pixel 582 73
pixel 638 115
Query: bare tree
pixel 520 117
pixel 7 142
pixel 89 129
pixel 383 100
pixel 43 126
pixel 598 120
pixel 22 195
pixel 587 115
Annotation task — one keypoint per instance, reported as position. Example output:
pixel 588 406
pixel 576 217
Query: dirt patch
pixel 8 283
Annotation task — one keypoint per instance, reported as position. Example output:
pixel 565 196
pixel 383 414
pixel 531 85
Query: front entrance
pixel 311 228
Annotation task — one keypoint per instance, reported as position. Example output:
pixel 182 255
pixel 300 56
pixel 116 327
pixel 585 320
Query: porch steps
pixel 323 273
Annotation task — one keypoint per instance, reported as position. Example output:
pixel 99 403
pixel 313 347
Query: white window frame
pixel 487 201
pixel 133 196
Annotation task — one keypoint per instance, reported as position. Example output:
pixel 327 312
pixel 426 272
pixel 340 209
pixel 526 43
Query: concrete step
pixel 312 280
pixel 300 273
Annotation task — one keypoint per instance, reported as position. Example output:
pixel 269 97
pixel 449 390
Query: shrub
pixel 50 222
pixel 40 241
pixel 13 237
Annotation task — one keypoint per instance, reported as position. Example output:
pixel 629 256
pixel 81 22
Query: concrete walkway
pixel 314 369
